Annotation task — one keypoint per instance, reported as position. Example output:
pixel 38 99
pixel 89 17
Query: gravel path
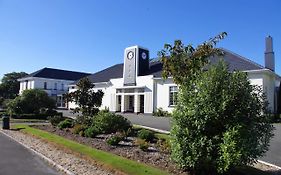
pixel 65 159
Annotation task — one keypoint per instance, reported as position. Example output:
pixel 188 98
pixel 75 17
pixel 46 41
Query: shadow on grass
pixel 247 170
pixel 17 129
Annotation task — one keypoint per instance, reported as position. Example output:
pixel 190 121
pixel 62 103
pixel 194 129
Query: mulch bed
pixel 125 149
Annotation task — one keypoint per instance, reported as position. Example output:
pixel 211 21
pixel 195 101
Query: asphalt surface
pixel 273 155
pixel 16 159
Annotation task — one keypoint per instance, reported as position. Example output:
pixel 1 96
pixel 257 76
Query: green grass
pixel 116 162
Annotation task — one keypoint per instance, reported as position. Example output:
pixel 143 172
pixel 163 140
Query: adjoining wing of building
pixel 137 86
pixel 53 81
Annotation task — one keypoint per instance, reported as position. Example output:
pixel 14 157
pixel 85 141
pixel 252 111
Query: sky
pixel 91 35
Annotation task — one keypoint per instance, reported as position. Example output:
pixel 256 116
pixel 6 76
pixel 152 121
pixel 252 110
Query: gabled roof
pixel 234 61
pixel 57 74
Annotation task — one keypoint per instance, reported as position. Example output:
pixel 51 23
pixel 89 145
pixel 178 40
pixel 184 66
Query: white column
pixel 136 103
pixel 122 103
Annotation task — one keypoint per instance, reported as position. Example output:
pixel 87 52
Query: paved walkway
pixel 16 159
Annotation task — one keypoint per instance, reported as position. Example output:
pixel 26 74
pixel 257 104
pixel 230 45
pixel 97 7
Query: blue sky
pixel 92 35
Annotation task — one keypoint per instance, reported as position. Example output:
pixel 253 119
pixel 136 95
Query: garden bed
pixel 125 148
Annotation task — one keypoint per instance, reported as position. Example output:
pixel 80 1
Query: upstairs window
pixel 45 85
pixel 62 86
pixel 56 86
pixel 173 93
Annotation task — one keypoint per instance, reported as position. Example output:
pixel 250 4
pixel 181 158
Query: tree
pixel 86 98
pixel 9 88
pixel 31 101
pixel 220 120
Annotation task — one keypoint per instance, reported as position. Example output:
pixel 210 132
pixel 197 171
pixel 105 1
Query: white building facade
pixel 137 86
pixel 54 82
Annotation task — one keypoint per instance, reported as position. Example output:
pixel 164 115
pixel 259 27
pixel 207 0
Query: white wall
pixel 267 81
pixel 38 83
pixel 162 94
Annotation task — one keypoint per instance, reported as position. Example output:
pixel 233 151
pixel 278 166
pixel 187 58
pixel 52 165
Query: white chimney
pixel 269 54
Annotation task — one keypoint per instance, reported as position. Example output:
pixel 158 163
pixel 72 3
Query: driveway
pixel 273 155
pixel 16 159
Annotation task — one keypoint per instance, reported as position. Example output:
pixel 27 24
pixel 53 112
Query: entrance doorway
pixel 131 104
pixel 141 103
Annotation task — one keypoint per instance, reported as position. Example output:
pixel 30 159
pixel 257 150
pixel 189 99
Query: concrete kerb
pixel 167 132
pixel 153 129
pixel 269 164
pixel 46 159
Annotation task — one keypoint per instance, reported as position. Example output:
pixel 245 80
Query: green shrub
pixel 161 113
pixel 78 128
pixel 82 133
pixel 220 122
pixel 146 135
pixel 84 120
pixel 67 123
pixel 55 120
pixel 142 144
pixel 164 145
pixel 114 140
pixel 91 132
pixel 31 101
pixel 108 122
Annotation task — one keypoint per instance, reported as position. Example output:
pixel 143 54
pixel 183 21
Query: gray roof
pixel 57 74
pixel 234 61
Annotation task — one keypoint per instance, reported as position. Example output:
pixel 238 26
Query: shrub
pixel 108 122
pixel 91 132
pixel 146 135
pixel 78 128
pixel 31 101
pixel 143 145
pixel 114 140
pixel 55 120
pixel 67 123
pixel 84 120
pixel 82 133
pixel 164 145
pixel 220 122
pixel 161 113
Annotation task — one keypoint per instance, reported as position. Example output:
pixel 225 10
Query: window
pixel 173 92
pixel 45 85
pixel 62 86
pixel 56 86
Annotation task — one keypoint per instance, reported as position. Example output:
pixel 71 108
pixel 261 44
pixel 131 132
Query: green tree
pixel 86 98
pixel 9 87
pixel 31 101
pixel 220 120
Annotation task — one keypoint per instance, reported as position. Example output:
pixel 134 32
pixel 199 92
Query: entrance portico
pixel 130 99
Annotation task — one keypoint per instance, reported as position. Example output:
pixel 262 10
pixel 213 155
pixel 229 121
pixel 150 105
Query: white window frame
pixel 173 90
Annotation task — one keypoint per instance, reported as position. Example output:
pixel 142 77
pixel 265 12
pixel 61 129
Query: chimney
pixel 269 54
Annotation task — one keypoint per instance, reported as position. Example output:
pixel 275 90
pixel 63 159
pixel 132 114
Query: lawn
pixel 109 160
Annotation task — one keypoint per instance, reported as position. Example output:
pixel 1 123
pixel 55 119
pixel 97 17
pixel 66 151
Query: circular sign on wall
pixel 130 55
pixel 143 55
